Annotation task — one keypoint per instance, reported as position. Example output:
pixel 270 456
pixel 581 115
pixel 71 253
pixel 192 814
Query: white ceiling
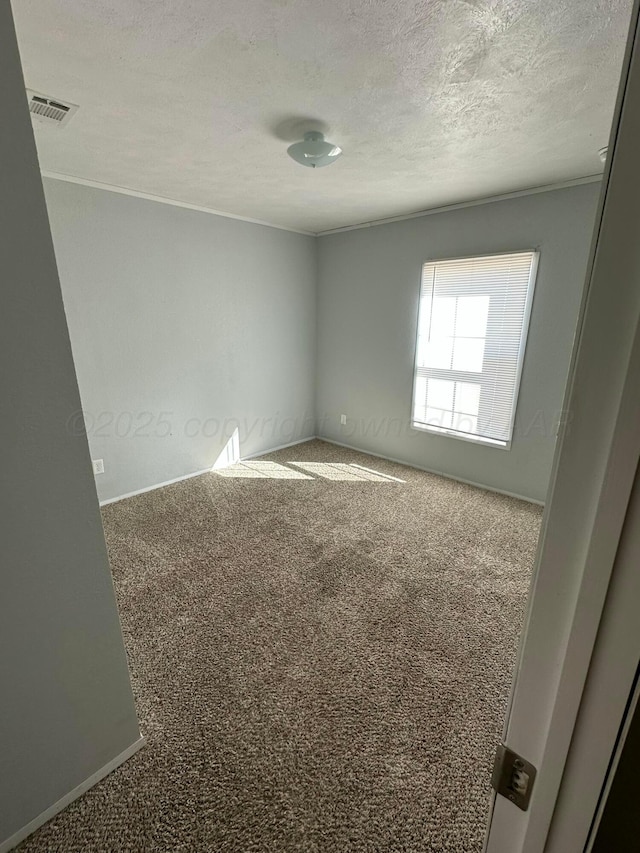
pixel 434 101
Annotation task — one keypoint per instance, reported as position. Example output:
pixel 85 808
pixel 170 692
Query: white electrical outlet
pixel 343 419
pixel 98 466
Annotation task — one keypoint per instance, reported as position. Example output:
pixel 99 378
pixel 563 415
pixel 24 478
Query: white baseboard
pixel 199 473
pixel 338 444
pixel 153 488
pixel 62 803
pixel 431 471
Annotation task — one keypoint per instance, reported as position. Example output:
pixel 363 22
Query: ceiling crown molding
pixel 85 182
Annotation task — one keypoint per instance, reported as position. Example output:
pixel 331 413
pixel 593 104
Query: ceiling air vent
pixel 50 110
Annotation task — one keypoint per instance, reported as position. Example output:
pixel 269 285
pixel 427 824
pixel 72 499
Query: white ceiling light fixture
pixel 602 153
pixel 314 151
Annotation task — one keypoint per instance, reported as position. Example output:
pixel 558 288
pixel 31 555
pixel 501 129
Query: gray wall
pixel 183 325
pixel 367 312
pixel 67 707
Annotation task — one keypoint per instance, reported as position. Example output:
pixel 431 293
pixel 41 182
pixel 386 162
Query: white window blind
pixel 472 328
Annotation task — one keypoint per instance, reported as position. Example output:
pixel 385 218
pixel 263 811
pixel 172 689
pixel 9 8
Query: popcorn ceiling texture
pixel 321 663
pixel 433 101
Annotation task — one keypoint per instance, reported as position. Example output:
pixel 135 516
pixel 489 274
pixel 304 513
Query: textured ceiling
pixel 433 101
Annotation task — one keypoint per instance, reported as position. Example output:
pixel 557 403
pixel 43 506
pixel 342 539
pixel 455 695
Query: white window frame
pixel 450 433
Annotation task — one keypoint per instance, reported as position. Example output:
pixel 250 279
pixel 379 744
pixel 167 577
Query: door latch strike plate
pixel 513 777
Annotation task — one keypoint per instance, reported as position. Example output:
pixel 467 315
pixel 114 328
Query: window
pixel 472 329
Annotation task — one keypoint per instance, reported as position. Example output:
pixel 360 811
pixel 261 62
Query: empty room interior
pixel 322 267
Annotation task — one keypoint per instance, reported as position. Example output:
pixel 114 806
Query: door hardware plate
pixel 513 776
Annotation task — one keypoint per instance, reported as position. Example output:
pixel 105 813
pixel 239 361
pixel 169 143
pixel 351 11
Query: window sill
pixel 449 433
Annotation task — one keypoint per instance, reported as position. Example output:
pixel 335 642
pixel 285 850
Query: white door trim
pixel 634 703
pixel 593 472
pixel 606 697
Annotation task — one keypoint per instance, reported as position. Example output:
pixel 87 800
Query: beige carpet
pixel 321 657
